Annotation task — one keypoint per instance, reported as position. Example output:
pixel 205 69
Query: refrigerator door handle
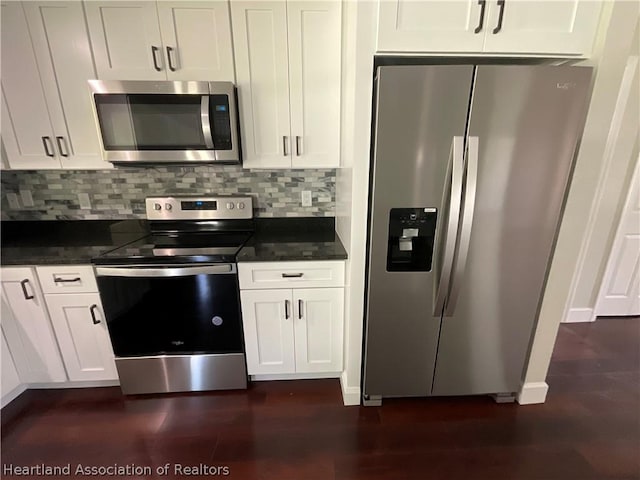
pixel 449 228
pixel 464 236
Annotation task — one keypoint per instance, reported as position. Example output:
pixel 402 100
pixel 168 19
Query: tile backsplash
pixel 120 193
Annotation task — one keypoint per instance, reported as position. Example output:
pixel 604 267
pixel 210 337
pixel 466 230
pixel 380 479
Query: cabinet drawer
pixel 291 274
pixel 67 279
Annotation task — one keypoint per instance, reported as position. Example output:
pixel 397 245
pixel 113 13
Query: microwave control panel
pixel 220 121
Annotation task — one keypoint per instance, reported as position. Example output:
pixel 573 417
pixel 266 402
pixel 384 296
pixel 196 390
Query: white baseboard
pixel 87 384
pixel 532 393
pixel 12 395
pixel 292 376
pixel 350 395
pixel 575 315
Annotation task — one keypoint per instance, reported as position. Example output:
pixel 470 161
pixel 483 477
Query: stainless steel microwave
pixel 142 122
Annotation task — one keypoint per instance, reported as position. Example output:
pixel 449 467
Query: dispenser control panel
pixel 411 239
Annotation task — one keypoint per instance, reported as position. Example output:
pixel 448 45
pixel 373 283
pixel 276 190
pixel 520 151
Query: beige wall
pixel 610 58
pixel 352 181
pixel 616 169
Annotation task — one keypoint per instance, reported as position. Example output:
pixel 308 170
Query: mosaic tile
pixel 120 193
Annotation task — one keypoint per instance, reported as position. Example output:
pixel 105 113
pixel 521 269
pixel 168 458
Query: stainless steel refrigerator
pixel 470 167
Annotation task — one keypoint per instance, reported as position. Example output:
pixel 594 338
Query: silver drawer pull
pixel 66 280
pixel 292 275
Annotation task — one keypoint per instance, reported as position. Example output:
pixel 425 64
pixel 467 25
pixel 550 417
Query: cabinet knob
pixel 27 295
pixel 169 61
pixel 483 4
pixel 292 275
pixel 500 16
pixel 154 51
pixel 92 310
pixel 48 146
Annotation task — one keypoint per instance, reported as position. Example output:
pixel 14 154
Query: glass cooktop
pixel 178 248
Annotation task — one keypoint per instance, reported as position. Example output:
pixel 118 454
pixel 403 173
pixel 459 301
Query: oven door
pixel 171 310
pixel 166 122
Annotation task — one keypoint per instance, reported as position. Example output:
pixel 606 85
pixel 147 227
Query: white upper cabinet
pixel 126 42
pixel 554 27
pixel 559 26
pixel 430 26
pixel 314 82
pixel 288 57
pixel 262 62
pixel 197 40
pixel 176 40
pixel 61 45
pixel 47 118
pixel 27 134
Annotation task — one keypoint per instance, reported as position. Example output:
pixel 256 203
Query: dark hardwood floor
pixel 589 428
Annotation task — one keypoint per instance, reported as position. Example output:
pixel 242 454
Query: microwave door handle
pixel 206 124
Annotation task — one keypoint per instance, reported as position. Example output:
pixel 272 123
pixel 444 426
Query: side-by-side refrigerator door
pixel 524 126
pixel 420 119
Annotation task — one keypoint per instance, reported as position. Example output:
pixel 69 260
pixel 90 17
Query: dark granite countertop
pixel 64 241
pixel 293 239
pixel 78 241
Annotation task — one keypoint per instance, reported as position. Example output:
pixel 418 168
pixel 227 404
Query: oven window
pixel 172 315
pixel 150 122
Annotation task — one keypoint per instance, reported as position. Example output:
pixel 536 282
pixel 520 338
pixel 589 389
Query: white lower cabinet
pixel 292 330
pixel 81 330
pixel 268 331
pixel 27 329
pixel 318 327
pixel 9 381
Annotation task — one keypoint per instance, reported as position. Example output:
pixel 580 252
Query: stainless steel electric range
pixel 171 299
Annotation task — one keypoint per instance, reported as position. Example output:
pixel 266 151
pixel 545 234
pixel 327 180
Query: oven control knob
pixel 157 206
pixel 230 205
pixel 168 206
pixel 241 205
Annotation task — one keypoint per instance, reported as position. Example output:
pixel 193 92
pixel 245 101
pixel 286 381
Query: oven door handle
pixel 164 271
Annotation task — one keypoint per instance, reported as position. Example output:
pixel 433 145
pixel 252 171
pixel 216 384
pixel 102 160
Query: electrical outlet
pixel 84 201
pixel 306 198
pixel 12 198
pixel 27 199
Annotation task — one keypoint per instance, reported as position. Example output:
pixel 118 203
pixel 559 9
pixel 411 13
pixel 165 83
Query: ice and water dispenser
pixel 411 239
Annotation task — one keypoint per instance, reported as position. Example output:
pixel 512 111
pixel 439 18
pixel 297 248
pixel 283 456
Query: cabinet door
pixel 84 343
pixel 197 40
pixel 267 316
pixel 431 26
pixel 9 380
pixel 533 26
pixel 125 38
pixel 28 329
pixel 318 329
pixel 260 47
pixel 26 129
pixel 314 31
pixel 61 44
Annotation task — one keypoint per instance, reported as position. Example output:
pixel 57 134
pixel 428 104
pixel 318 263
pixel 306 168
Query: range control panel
pixel 199 208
